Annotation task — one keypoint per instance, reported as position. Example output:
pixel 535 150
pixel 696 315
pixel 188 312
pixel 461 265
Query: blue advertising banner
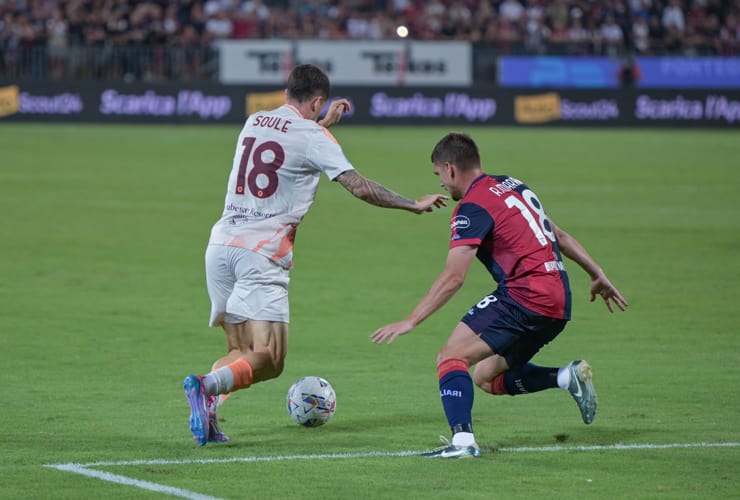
pixel 558 72
pixel 604 72
pixel 685 72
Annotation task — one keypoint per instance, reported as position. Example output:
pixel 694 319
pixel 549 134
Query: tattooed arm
pixel 376 194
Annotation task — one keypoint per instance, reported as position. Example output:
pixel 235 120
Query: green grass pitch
pixel 104 311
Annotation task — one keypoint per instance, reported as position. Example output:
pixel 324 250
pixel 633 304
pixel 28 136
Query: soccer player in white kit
pixel 280 156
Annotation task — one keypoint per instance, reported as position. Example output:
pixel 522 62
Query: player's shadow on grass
pixel 579 435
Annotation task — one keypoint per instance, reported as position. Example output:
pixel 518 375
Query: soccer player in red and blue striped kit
pixel 502 222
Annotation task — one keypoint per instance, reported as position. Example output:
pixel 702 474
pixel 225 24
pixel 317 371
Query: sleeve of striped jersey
pixel 470 225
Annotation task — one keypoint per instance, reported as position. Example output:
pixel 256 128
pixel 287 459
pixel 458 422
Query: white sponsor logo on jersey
pixel 460 221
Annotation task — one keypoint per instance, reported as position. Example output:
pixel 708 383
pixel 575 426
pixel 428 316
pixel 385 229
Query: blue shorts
pixel 512 331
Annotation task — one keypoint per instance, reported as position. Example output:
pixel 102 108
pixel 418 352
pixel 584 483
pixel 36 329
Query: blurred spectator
pixel 579 37
pixel 538 35
pixel 729 36
pixel 612 36
pixel 511 11
pixel 381 27
pixel 56 45
pixel 673 16
pixel 656 32
pixel 218 25
pixel 673 41
pixel 245 25
pixel 508 35
pixel 712 31
pixel 459 13
pixel 640 9
pixel 358 25
pixel 640 36
pixel 188 57
pixel 558 13
pixel 535 11
pixel 258 8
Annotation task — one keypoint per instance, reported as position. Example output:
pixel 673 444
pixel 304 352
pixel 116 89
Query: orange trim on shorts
pixel 451 365
pixel 242 371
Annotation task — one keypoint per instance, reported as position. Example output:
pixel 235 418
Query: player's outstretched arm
pixel 600 284
pixel 376 194
pixel 441 291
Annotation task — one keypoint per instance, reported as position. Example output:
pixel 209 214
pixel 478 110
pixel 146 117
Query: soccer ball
pixel 311 401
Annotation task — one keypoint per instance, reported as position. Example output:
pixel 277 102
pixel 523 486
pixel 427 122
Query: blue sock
pixel 456 392
pixel 530 378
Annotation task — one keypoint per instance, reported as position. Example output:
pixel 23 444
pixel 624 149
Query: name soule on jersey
pixel 276 170
pixel 506 221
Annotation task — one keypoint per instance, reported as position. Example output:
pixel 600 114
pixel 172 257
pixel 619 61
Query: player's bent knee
pixel 271 367
pixel 446 353
pixel 485 386
pixel 480 381
pixel 277 368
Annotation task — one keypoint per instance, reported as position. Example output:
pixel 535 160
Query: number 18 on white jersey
pixel 277 165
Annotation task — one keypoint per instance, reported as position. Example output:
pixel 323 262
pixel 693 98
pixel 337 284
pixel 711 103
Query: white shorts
pixel 245 285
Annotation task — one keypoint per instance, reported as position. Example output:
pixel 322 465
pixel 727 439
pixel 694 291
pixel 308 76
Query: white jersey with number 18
pixel 277 165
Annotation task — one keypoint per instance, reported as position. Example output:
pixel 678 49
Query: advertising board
pixel 569 72
pixel 356 63
pixel 389 105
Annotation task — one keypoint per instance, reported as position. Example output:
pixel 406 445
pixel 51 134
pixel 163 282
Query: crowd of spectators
pixel 176 38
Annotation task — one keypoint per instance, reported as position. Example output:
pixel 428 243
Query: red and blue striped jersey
pixel 506 221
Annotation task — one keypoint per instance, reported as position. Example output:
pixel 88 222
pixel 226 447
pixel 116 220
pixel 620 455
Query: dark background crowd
pixel 161 39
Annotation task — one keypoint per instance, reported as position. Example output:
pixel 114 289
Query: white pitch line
pixel 372 454
pixel 130 481
pixel 86 469
pixel 618 447
pixel 325 456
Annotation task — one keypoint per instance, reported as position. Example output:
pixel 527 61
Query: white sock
pixel 220 381
pixel 564 378
pixel 463 439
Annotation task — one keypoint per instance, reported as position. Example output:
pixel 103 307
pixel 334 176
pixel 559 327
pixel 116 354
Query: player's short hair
pixel 306 81
pixel 459 149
